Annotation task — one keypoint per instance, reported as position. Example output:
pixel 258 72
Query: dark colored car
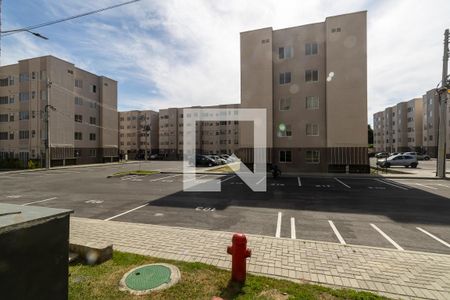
pixel 204 161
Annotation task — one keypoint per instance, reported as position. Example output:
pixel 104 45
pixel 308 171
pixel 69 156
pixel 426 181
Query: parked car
pixel 395 153
pixel 382 155
pixel 419 156
pixel 399 160
pixel 204 161
pixel 218 160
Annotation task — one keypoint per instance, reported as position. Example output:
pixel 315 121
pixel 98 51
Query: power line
pixel 32 27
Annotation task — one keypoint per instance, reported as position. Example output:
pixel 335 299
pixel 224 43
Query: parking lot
pixel 407 214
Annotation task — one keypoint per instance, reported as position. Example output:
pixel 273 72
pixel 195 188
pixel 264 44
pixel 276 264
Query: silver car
pixel 399 160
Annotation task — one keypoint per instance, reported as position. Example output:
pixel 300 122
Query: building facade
pixel 218 137
pixel 82 112
pixel 138 132
pixel 312 81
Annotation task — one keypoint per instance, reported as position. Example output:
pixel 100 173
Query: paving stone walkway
pixel 393 273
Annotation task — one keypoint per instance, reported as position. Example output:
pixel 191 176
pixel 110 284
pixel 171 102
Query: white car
pixel 403 160
pixel 418 155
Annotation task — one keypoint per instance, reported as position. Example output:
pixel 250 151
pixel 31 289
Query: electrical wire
pixel 32 27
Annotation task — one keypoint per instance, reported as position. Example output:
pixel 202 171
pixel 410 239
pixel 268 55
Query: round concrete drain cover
pixel 144 279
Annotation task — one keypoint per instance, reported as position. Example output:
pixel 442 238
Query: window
pixel 77 153
pixel 33 75
pixel 285 52
pixel 4 118
pixel 3 135
pixel 285 156
pixel 79 83
pixel 92 137
pixel 33 94
pixel 78 136
pixel 4 82
pixel 312 129
pixel 23 77
pixel 94 88
pixel 311 75
pixel 11 117
pixel 24 96
pixel 312 156
pixel 93 152
pixel 24 115
pixel 4 100
pixel 11 135
pixel 79 118
pixel 284 131
pixel 311 49
pixel 312 102
pixel 78 101
pixel 24 134
pixel 285 77
pixel 285 103
pixel 430 138
pixel 92 120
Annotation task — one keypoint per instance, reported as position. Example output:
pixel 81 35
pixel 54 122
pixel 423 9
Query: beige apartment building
pixel 138 132
pixel 212 137
pixel 312 81
pixel 82 112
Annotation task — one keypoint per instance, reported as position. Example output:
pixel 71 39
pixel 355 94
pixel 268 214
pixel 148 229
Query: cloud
pixel 182 53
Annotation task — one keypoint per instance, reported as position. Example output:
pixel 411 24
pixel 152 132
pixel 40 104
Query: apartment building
pixel 82 112
pixel 403 127
pixel 430 102
pixel 138 132
pixel 312 81
pixel 218 137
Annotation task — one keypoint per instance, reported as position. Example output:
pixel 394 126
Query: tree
pixel 370 134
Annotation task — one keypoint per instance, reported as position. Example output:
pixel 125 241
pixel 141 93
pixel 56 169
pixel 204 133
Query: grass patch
pixel 198 281
pixel 135 172
pixel 229 168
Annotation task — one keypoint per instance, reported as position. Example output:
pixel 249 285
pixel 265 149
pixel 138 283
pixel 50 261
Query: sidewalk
pixel 393 273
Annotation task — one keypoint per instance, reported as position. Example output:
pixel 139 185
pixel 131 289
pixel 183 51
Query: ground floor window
pixel 312 156
pixel 285 156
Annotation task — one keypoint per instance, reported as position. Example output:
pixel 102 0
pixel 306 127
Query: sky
pixel 171 53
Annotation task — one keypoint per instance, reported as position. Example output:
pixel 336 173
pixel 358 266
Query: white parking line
pixel 299 181
pixel 261 180
pixel 125 212
pixel 391 184
pixel 278 232
pixel 434 237
pixel 347 186
pixel 231 177
pixel 336 232
pixel 387 237
pixel 293 233
pixel 45 200
pixel 195 178
pixel 425 186
pixel 171 176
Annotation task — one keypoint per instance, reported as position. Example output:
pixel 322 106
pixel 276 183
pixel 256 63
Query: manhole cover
pixel 147 278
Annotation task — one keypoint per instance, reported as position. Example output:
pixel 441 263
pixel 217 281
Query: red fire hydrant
pixel 239 253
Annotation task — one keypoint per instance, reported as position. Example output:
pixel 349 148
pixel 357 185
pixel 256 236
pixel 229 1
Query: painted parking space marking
pixel 278 231
pixel 392 184
pixel 387 237
pixel 376 188
pixel 40 201
pixel 346 185
pixel 299 181
pixel 336 232
pixel 434 237
pixel 201 208
pixel 277 184
pixel 125 212
pixel 94 201
pixel 293 233
pixel 14 196
pixel 323 185
pixel 162 178
pixel 425 186
pixel 226 179
pixel 195 178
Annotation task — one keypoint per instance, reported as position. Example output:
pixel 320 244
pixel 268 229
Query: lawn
pixel 198 281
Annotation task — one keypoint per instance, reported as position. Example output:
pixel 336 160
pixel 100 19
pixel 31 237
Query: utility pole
pixel 47 127
pixel 442 91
